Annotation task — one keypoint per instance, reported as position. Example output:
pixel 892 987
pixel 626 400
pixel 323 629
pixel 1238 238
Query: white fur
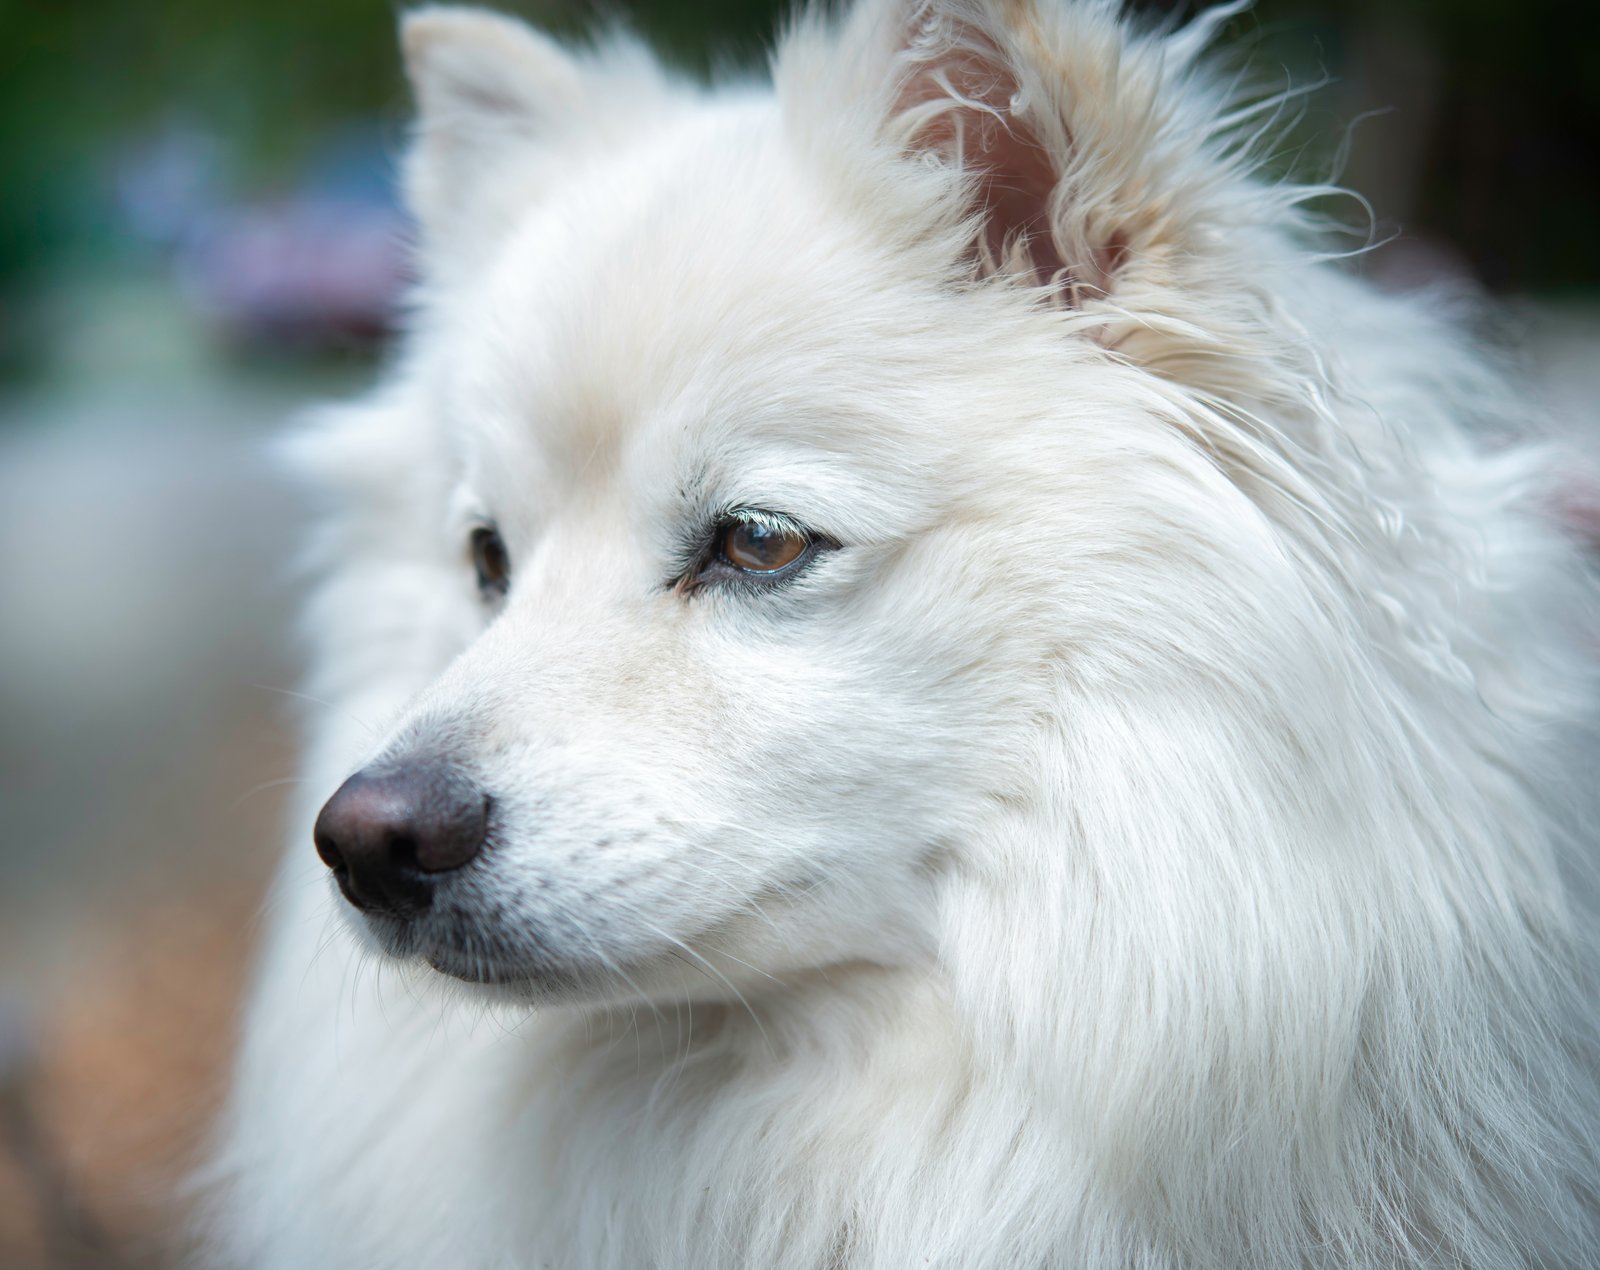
pixel 1152 838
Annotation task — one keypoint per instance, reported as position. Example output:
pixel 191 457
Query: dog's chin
pixel 473 961
pixel 491 964
pixel 500 980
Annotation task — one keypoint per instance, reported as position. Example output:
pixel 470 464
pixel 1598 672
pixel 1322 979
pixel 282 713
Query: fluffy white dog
pixel 929 685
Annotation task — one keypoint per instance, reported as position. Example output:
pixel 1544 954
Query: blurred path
pixel 146 605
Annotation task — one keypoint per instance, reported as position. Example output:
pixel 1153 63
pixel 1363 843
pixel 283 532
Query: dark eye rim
pixel 493 583
pixel 711 567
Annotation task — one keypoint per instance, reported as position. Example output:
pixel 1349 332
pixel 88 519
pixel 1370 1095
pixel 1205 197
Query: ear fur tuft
pixel 502 109
pixel 490 91
pixel 962 101
pixel 1065 122
pixel 474 67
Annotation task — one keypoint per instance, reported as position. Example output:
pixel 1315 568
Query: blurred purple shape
pixel 308 270
pixel 322 263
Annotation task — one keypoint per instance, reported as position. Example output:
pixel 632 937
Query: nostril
pixel 403 852
pixel 329 852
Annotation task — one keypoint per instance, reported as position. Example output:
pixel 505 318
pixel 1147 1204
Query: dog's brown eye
pixel 758 547
pixel 490 559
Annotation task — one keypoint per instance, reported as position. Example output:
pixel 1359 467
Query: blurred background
pixel 199 235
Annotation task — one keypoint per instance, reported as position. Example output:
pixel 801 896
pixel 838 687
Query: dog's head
pixel 799 486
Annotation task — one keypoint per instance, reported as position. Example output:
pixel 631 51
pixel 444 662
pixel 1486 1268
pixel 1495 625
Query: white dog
pixel 929 685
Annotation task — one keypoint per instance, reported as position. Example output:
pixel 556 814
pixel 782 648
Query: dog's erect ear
pixel 963 97
pixel 501 110
pixel 1068 125
pixel 490 93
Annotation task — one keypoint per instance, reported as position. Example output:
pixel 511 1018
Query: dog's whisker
pixel 716 976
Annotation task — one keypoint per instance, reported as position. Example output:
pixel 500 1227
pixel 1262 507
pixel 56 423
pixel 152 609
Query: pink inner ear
pixel 1015 177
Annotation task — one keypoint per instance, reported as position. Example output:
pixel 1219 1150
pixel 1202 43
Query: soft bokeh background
pixel 198 235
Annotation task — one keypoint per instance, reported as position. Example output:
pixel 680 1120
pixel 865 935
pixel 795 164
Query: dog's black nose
pixel 387 835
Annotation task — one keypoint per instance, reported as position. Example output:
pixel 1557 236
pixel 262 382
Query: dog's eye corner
pixel 491 561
